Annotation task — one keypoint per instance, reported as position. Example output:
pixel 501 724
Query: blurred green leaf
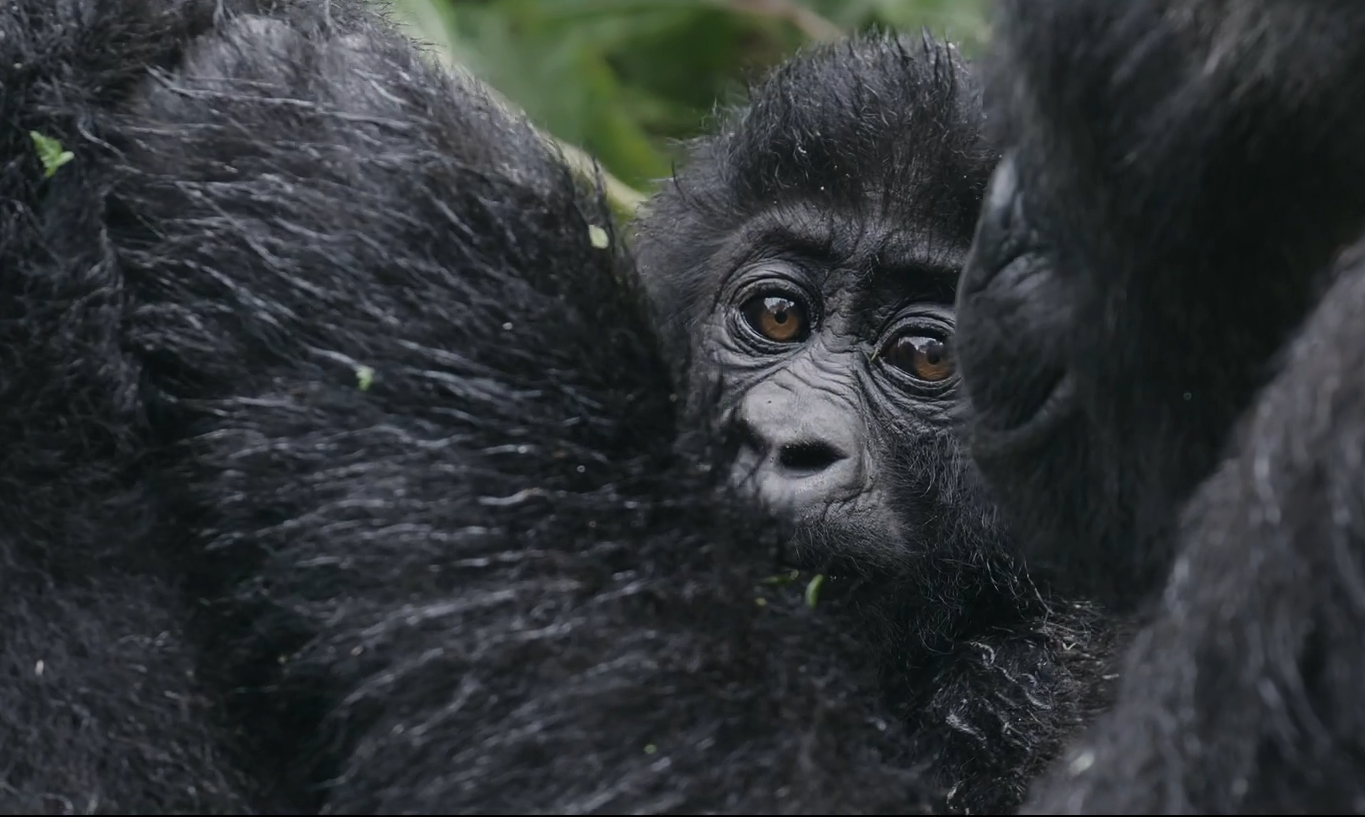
pixel 626 79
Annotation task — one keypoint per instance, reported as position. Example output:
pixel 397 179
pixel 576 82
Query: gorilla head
pixel 808 253
pixel 1164 398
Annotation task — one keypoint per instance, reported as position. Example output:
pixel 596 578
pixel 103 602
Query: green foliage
pixel 813 589
pixel 364 377
pixel 50 153
pixel 626 79
pixel 599 237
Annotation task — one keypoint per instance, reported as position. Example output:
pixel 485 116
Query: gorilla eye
pixel 923 357
pixel 777 318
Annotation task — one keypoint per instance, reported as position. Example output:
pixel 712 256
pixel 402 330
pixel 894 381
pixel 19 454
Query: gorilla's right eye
pixel 777 317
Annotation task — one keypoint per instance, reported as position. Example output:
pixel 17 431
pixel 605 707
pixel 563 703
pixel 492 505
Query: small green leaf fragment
pixel 598 237
pixel 50 153
pixel 650 748
pixel 761 602
pixel 364 377
pixel 782 578
pixel 813 589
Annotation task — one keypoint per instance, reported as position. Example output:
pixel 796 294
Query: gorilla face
pixel 1032 429
pixel 807 258
pixel 828 363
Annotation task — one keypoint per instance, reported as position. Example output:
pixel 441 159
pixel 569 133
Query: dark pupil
pixel 778 307
pixel 931 348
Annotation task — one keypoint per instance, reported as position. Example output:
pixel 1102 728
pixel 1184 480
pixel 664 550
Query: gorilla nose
pixel 798 461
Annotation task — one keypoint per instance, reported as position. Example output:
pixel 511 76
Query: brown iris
pixel 777 318
pixel 923 357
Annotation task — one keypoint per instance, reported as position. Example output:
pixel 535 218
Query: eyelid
pixel 929 325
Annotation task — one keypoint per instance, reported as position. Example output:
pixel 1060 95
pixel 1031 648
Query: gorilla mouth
pixel 1058 404
pixel 840 550
pixel 844 573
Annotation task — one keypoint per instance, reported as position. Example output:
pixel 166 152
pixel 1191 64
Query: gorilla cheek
pixel 1012 326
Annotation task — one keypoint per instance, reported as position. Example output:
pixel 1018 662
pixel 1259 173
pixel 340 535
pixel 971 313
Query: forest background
pixel 624 81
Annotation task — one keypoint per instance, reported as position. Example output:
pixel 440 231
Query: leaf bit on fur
pixel 50 153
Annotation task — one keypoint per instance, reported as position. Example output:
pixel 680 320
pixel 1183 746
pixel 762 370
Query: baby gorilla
pixel 809 255
pixel 804 262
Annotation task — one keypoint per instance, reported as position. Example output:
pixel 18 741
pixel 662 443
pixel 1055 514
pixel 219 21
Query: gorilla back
pixel 360 391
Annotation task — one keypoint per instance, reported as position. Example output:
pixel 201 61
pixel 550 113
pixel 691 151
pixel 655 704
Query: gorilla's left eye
pixel 920 355
pixel 777 317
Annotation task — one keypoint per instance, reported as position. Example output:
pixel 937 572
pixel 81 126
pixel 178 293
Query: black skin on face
pixel 818 408
pixel 1162 398
pixel 807 255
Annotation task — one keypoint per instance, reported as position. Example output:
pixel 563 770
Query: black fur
pixel 487 582
pixel 1180 179
pixel 847 130
pixel 100 706
pixel 392 437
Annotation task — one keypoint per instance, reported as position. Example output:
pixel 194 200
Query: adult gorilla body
pixel 1180 182
pixel 346 474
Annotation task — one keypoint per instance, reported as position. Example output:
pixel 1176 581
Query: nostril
pixel 811 456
